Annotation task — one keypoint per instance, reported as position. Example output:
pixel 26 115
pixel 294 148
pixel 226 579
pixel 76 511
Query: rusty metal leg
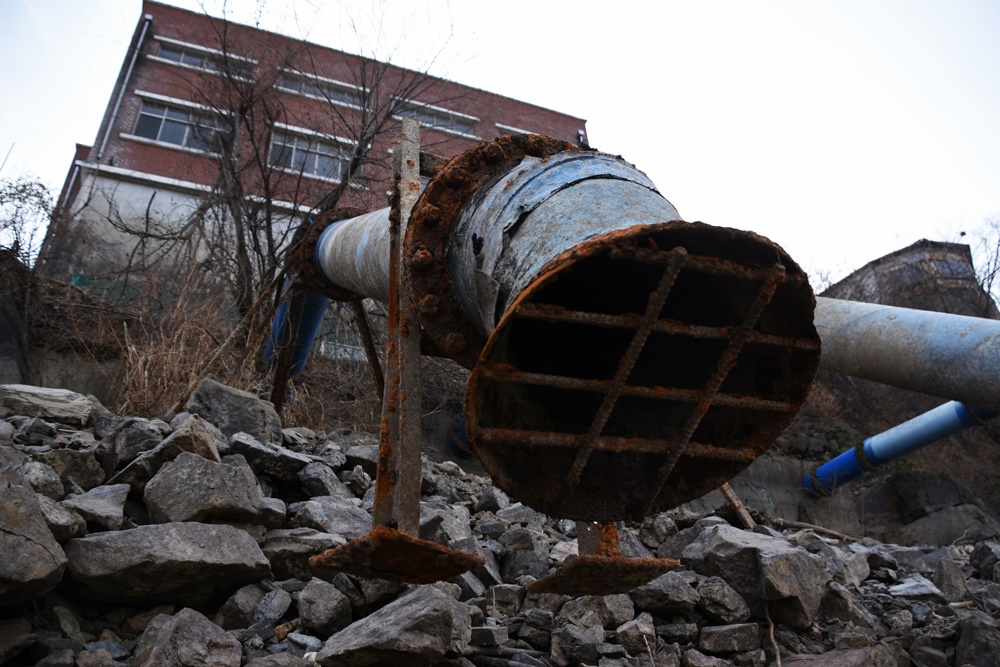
pixel 737 505
pixel 598 539
pixel 393 550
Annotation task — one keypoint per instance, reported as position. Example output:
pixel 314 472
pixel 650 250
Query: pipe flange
pixel 429 234
pixel 303 258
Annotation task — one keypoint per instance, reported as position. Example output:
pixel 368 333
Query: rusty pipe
pixel 623 360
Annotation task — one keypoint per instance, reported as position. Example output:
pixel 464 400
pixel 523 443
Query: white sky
pixel 840 129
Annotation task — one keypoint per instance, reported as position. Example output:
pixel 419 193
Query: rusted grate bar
pixel 511 374
pixel 653 308
pixel 496 436
pixel 709 265
pixel 725 364
pixel 602 575
pixel 552 313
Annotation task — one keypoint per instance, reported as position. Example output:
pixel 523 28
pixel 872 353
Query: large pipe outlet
pixel 623 361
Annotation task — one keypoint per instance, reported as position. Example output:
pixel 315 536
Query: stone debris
pixel 133 542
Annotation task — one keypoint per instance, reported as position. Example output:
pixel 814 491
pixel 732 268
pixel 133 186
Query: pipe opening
pixel 654 352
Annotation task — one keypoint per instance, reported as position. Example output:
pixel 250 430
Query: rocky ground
pixel 129 541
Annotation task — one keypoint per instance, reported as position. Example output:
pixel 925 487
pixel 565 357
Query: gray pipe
pixel 950 356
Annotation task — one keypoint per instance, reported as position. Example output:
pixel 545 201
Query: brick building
pixel 220 136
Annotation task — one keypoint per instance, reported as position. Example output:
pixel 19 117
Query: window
pixel 171 125
pixel 212 62
pixel 438 118
pixel 324 89
pixel 310 155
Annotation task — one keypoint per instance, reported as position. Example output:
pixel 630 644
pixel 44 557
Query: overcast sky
pixel 840 129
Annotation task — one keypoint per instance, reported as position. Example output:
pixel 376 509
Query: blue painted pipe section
pixel 312 319
pixel 941 422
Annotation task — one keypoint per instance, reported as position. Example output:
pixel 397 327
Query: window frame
pixel 195 117
pixel 206 56
pixel 342 152
pixel 304 78
pixel 432 110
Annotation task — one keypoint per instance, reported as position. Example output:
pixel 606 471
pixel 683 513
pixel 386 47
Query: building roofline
pixel 147 4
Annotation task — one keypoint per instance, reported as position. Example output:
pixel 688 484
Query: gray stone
pixel 137 435
pixel 417 630
pixel 235 411
pixel 364 455
pixel 78 467
pixel 103 507
pixel 872 656
pixel 978 640
pixel 839 603
pixel 65 524
pixel 950 580
pixel 572 641
pixel 764 570
pixel 192 435
pixel 183 563
pixel 192 488
pixel 357 481
pixel 656 529
pixel 267 458
pixel 983 558
pixel 695 658
pixel 928 656
pixel 675 545
pixel 271 513
pixel 613 610
pixel 527 553
pixel 919 587
pixel 191 640
pixel 278 660
pixel 58 405
pixel 32 562
pixel 323 608
pixel 319 479
pixel 677 632
pixel 288 550
pixel 239 610
pixel 330 514
pixel 455 522
pixel 720 602
pixel 15 636
pixel 729 638
pixel 504 600
pixel 488 635
pixel 638 636
pixel 518 513
pixel 332 455
pixel 492 499
pixel 489 572
pixel 43 479
pixel 666 595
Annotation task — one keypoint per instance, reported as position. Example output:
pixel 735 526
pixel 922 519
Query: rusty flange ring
pixel 429 235
pixel 303 258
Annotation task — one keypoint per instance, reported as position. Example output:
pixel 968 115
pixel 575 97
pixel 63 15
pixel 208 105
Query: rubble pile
pixel 131 541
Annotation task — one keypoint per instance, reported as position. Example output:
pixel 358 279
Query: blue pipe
pixel 941 422
pixel 312 318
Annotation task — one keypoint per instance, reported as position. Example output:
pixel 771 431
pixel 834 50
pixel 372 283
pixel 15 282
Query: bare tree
pixel 25 204
pixel 270 181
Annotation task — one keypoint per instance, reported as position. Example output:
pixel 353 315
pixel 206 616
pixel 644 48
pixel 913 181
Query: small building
pixel 219 138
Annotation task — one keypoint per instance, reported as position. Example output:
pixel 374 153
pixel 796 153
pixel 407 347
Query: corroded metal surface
pixel 602 575
pixel 387 553
pixel 643 369
pixel 430 234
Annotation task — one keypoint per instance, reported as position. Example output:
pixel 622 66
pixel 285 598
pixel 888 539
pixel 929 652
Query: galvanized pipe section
pixel 951 356
pixel 536 212
pixel 354 254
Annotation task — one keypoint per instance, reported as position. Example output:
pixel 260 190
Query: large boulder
pixel 187 638
pixel 235 411
pixel 415 630
pixel 765 570
pixel 32 562
pixel 194 435
pixel 59 405
pixel 192 564
pixel 192 488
